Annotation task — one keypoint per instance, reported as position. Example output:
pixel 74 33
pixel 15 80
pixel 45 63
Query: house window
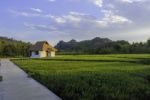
pixel 36 52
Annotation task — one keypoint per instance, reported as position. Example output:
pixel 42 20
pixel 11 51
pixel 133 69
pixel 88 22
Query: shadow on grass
pixel 144 61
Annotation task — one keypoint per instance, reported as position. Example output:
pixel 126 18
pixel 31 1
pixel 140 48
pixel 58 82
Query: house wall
pixel 52 54
pixel 33 55
pixel 42 54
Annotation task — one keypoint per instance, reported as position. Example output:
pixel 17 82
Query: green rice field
pixel 93 77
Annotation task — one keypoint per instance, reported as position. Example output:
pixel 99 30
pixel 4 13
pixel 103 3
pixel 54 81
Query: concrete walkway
pixel 17 86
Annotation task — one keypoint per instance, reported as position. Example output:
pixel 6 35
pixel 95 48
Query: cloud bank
pixel 117 19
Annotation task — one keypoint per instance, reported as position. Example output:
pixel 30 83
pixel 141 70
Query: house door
pixel 46 53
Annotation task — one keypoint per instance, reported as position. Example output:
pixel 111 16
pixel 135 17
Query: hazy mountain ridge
pixel 102 46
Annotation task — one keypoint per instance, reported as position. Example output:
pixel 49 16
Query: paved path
pixel 17 86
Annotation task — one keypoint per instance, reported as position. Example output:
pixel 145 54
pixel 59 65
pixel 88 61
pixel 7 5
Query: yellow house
pixel 42 49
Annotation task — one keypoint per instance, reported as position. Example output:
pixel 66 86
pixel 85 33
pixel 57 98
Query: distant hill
pixel 12 47
pixel 101 46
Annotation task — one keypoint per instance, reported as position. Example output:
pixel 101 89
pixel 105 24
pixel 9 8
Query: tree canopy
pixel 13 48
pixel 102 46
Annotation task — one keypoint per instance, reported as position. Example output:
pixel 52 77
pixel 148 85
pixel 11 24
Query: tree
pixel 11 47
pixel 9 50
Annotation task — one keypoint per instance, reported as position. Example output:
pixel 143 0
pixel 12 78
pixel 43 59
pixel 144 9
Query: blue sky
pixel 54 20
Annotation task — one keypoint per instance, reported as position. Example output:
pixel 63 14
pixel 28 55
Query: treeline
pixel 13 48
pixel 102 46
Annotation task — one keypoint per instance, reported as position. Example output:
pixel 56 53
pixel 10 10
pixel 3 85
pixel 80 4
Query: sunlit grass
pixel 93 77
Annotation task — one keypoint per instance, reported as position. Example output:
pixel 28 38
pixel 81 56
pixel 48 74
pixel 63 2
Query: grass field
pixel 93 77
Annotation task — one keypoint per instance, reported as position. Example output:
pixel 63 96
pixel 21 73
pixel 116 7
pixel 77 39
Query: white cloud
pixel 111 17
pixel 57 19
pixel 74 16
pixel 71 17
pixel 60 20
pixel 118 16
pixel 110 6
pixel 98 3
pixel 25 14
pixel 80 22
pixel 36 10
pixel 77 19
pixel 51 0
pixel 39 27
pixel 132 1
